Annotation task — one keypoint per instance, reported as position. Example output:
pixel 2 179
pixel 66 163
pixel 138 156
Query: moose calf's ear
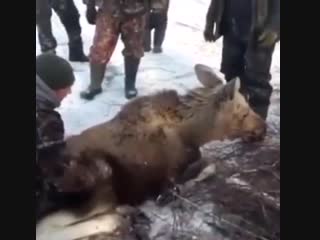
pixel 231 88
pixel 207 76
pixel 237 84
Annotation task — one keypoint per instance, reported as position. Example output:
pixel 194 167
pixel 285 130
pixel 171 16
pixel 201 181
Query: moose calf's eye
pixel 245 115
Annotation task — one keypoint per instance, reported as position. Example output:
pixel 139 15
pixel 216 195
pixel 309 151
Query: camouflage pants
pixel 69 16
pixel 108 29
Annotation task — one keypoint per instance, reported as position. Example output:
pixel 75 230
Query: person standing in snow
pixel 69 16
pixel 115 18
pixel 157 20
pixel 250 28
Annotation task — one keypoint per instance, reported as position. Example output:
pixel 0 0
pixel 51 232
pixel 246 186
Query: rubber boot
pixel 159 32
pixel 97 72
pixel 261 110
pixel 131 65
pixel 157 49
pixel 51 51
pixel 76 53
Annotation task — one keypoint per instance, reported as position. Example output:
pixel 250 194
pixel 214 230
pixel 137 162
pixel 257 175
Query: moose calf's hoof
pixel 168 196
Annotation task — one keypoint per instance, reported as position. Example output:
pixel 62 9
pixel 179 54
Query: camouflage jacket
pixel 266 13
pixel 119 8
pixel 49 131
pixel 159 5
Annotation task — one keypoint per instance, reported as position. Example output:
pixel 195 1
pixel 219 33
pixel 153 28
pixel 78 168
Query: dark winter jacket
pixel 265 14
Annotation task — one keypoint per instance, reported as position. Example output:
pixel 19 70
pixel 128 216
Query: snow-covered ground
pixel 184 46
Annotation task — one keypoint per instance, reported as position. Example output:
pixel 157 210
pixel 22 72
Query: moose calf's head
pixel 232 116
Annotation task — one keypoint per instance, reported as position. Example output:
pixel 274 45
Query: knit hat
pixel 55 71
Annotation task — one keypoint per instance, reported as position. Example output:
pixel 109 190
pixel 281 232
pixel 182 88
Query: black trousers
pixel 245 59
pixel 158 23
pixel 69 16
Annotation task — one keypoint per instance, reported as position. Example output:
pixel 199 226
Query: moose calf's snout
pixel 258 133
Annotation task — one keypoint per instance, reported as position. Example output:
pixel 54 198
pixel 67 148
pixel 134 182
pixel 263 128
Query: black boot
pixel 262 110
pixel 159 32
pixel 51 51
pixel 76 53
pixel 157 49
pixel 258 98
pixel 131 65
pixel 97 72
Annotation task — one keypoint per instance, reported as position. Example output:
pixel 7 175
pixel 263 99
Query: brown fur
pixel 153 138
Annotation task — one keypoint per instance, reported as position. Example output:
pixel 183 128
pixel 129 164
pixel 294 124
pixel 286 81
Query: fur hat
pixel 55 71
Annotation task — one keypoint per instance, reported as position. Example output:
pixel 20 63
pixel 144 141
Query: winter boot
pixel 51 51
pixel 46 39
pixel 97 72
pixel 131 65
pixel 76 53
pixel 159 33
pixel 261 110
pixel 157 49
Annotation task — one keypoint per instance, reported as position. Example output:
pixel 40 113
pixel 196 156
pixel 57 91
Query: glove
pixel 268 37
pixel 208 34
pixel 91 15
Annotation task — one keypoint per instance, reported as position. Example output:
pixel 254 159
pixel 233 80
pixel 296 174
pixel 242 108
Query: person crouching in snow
pixel 54 78
pixel 157 20
pixel 250 28
pixel 59 182
pixel 115 18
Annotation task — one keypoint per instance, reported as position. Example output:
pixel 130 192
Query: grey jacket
pixel 45 97
pixel 50 126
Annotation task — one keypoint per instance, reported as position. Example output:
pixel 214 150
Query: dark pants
pixel 252 64
pixel 158 22
pixel 69 16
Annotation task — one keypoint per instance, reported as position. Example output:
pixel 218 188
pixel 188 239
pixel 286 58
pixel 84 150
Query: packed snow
pixel 184 46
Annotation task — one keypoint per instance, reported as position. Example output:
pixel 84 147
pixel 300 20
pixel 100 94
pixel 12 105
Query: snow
pixel 184 46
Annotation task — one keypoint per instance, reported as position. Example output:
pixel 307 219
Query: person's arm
pixel 274 16
pixel 91 12
pixel 271 32
pixel 167 6
pixel 209 28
